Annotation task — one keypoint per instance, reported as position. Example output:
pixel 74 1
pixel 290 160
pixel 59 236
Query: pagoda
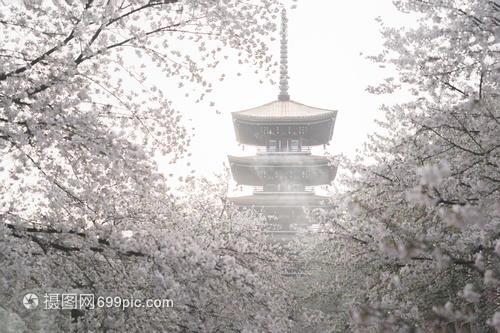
pixel 284 172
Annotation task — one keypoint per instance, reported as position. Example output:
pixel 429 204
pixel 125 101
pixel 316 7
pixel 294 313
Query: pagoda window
pixel 272 145
pixel 302 129
pixel 295 145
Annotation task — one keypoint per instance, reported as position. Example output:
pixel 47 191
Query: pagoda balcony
pixel 306 190
pixel 301 151
pixel 283 201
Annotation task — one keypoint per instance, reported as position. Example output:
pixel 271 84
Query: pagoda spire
pixel 283 96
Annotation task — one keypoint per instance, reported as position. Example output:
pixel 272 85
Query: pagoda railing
pixel 302 150
pixel 260 189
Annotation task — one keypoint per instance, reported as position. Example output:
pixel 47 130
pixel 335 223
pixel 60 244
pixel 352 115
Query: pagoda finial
pixel 283 96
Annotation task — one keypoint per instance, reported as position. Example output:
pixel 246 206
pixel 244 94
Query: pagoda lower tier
pixel 287 210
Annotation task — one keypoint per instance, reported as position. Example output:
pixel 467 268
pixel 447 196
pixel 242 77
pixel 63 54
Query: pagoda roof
pixel 284 110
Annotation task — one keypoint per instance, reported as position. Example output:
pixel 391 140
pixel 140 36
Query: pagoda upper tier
pixel 284 120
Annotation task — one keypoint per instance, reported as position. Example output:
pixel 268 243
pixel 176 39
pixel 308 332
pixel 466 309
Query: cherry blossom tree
pixel 83 206
pixel 415 242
